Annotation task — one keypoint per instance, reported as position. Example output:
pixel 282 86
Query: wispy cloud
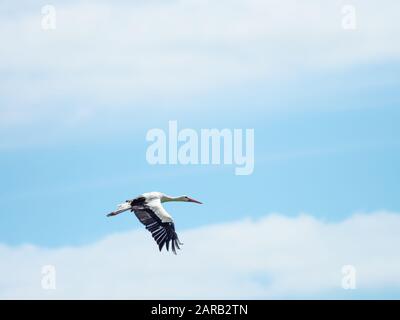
pixel 272 257
pixel 114 54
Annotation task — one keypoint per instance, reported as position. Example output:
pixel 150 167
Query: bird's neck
pixel 166 198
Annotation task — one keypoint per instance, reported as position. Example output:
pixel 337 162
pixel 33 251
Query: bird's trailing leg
pixel 121 208
pixel 114 213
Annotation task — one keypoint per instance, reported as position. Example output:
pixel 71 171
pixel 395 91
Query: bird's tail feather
pixel 120 208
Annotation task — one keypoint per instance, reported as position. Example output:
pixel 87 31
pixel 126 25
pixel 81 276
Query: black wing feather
pixel 163 232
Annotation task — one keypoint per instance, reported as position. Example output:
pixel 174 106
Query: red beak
pixel 195 201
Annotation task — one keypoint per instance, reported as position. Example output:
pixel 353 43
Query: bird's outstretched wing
pixel 162 232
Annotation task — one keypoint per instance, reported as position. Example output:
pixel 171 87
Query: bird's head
pixel 188 199
pixel 181 199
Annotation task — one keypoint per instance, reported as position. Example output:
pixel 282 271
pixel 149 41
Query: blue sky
pixel 329 163
pixel 76 107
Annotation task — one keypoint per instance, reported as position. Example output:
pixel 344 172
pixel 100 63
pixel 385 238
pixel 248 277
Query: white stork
pixel 149 210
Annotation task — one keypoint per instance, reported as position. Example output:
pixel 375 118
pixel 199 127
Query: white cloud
pixel 121 52
pixel 274 257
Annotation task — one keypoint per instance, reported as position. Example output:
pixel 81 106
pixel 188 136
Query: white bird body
pixel 154 200
pixel 149 210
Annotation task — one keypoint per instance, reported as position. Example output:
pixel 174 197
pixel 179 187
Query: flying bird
pixel 149 210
